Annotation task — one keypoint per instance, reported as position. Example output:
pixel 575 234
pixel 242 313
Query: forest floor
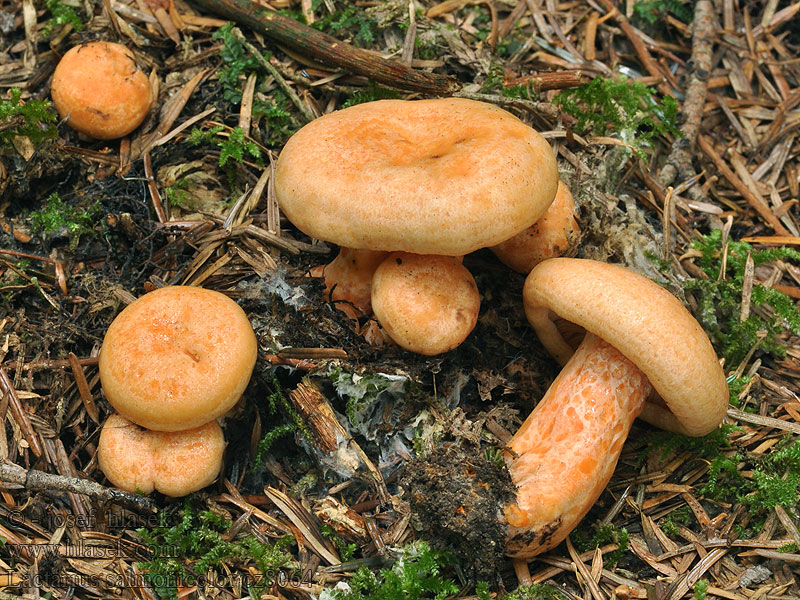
pixel 677 128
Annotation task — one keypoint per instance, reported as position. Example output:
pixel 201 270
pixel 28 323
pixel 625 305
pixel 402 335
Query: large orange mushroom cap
pixel 444 176
pixel 174 463
pixel 99 89
pixel 177 358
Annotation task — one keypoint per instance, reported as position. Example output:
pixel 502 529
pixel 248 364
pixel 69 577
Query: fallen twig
pixel 328 50
pixel 679 162
pixel 39 480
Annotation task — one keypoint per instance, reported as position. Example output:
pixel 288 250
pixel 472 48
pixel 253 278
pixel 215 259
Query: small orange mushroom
pixel 426 303
pixel 174 463
pixel 177 358
pixel 639 338
pixel 99 89
pixel 549 237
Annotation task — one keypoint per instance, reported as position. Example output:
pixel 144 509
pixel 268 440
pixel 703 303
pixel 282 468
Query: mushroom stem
pixel 565 452
pixel 348 279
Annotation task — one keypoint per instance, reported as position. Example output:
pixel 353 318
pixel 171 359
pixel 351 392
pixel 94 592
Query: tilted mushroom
pixel 639 339
pixel 443 177
pixel 549 237
pixel 177 358
pixel 100 90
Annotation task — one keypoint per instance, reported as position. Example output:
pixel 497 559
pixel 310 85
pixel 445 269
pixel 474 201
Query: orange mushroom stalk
pixel 348 279
pixel 639 339
pixel 566 450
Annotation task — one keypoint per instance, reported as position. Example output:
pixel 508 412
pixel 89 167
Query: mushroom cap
pixel 174 463
pixel 426 303
pixel 100 90
pixel 445 176
pixel 642 320
pixel 547 238
pixel 177 357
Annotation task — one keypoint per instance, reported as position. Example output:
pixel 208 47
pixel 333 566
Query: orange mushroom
pixel 177 358
pixel 174 463
pixel 441 177
pixel 427 303
pixel 348 280
pixel 100 90
pixel 549 237
pixel 639 338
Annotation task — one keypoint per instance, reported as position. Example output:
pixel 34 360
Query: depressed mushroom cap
pixel 444 176
pixel 174 463
pixel 642 320
pixel 100 90
pixel 427 303
pixel 549 237
pixel 177 358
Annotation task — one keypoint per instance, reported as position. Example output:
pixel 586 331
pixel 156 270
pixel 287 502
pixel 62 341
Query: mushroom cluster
pixel 171 363
pixel 101 92
pixel 406 189
pixel 426 178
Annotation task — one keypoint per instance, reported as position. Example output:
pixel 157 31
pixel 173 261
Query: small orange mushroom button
pixel 177 358
pixel 99 89
pixel 173 463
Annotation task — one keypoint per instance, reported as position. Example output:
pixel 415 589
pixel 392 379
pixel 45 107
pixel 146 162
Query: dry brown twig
pixel 328 50
pixel 679 162
pixel 34 480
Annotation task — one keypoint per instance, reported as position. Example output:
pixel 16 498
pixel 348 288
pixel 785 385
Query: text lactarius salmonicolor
pixel 643 355
pixel 441 177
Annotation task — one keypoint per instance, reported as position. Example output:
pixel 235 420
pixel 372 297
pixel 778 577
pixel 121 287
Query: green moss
pixel 416 576
pixel 628 110
pixel 195 545
pixel 600 536
pixel 33 119
pixel 60 14
pixel 651 11
pixel 236 146
pixel 679 516
pixel 58 217
pixel 720 299
pixel 351 20
pixel 537 591
pixel 775 479
pixel 700 589
pixel 346 551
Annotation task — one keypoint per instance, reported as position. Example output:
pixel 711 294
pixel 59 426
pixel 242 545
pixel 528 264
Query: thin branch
pixel 328 50
pixel 39 480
